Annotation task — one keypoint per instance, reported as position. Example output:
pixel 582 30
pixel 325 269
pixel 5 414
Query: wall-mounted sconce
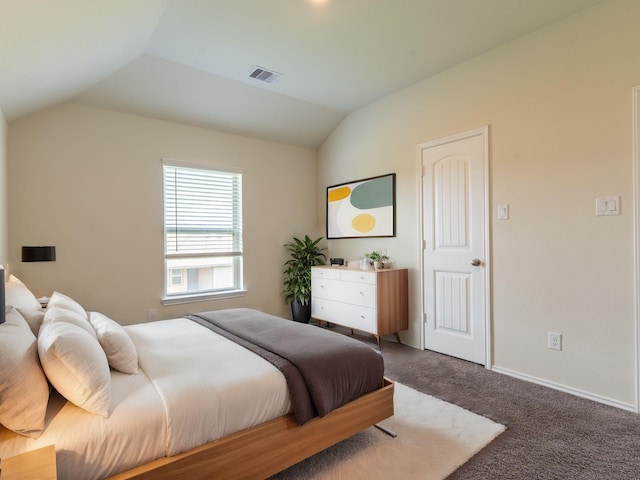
pixel 39 254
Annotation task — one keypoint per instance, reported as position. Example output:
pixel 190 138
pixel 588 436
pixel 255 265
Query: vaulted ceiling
pixel 189 60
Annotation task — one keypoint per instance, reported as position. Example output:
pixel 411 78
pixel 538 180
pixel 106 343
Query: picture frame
pixel 362 208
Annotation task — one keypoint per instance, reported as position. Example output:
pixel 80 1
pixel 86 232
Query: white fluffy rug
pixel 433 439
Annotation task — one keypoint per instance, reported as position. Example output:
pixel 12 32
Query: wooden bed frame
pixel 266 449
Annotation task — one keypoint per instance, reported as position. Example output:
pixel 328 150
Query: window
pixel 177 277
pixel 202 232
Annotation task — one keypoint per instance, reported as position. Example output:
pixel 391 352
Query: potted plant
pixel 297 275
pixel 377 259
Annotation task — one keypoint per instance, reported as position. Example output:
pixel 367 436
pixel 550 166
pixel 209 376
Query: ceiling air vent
pixel 264 75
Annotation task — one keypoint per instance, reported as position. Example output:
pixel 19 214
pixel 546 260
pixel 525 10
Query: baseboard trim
pixel 565 389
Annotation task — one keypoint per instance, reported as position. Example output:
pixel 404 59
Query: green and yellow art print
pixel 364 208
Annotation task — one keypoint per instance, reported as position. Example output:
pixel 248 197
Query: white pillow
pixel 59 314
pixel 120 350
pixel 18 295
pixel 24 392
pixel 76 366
pixel 62 301
pixel 33 317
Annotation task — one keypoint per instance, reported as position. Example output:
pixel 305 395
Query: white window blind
pixel 203 228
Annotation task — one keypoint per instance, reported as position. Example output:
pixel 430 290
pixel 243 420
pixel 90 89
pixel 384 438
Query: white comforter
pixel 194 386
pixel 210 386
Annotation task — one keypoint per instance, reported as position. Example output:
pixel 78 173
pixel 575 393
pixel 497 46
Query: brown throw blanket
pixel 324 370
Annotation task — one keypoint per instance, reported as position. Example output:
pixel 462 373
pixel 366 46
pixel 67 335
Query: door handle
pixel 476 262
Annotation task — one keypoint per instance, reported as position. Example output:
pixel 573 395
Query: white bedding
pixel 89 446
pixel 194 386
pixel 210 386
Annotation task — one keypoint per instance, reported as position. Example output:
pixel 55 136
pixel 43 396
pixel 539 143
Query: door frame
pixel 636 237
pixel 484 133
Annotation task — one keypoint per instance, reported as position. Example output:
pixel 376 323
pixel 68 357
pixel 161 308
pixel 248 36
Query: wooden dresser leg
pixel 398 337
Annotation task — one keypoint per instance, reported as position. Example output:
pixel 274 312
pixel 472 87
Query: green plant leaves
pixel 297 273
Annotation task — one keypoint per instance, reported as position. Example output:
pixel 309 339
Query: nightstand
pixel 40 464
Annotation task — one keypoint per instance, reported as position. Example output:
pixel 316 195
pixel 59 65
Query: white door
pixel 455 251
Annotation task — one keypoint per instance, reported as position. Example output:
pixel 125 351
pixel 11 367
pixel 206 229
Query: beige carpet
pixel 433 439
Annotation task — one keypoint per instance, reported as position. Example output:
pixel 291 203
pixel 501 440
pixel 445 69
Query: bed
pixel 192 400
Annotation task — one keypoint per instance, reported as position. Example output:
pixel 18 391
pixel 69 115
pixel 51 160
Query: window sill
pixel 201 297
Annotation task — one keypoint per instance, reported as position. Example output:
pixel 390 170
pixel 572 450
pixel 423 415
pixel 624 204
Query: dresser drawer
pixel 358 276
pixel 333 273
pixel 326 288
pixel 362 294
pixel 351 316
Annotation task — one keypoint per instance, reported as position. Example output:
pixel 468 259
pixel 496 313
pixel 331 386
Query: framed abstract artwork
pixel 363 208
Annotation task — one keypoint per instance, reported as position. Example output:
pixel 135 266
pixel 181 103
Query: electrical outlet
pixel 555 341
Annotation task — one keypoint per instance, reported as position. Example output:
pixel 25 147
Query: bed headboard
pixel 2 305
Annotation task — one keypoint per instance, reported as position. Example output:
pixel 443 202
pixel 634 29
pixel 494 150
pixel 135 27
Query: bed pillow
pixel 59 314
pixel 18 295
pixel 114 340
pixel 62 301
pixel 24 392
pixel 76 366
pixel 33 317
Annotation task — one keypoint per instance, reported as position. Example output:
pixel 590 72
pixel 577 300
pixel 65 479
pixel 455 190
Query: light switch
pixel 608 206
pixel 503 211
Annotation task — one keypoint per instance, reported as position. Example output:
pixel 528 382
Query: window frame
pixel 237 256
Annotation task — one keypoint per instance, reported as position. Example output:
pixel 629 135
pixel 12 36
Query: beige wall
pixel 4 209
pixel 90 182
pixel 558 103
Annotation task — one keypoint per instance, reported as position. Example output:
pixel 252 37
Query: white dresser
pixel 374 301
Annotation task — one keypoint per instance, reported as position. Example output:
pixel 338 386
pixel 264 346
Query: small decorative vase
pixel 377 265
